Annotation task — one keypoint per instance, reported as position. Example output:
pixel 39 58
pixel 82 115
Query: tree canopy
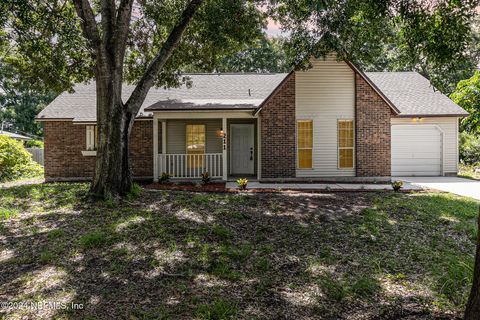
pixel 467 95
pixel 46 45
pixel 20 103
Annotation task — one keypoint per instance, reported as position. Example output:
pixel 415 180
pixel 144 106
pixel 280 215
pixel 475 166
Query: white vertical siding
pixel 450 137
pixel 176 131
pixel 324 94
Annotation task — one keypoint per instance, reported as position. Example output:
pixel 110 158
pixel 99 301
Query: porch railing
pixel 191 165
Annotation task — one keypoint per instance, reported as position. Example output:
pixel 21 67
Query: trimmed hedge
pixel 15 161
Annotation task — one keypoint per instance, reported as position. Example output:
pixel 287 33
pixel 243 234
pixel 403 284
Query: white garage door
pixel 416 150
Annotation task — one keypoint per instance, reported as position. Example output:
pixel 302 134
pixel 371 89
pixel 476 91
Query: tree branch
pixel 146 82
pixel 89 25
pixel 124 14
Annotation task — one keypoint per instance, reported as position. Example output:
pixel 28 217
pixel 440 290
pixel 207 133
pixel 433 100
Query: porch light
pixel 220 133
pixel 417 119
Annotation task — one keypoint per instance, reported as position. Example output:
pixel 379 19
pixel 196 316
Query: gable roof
pixel 239 91
pixel 414 95
pixel 407 93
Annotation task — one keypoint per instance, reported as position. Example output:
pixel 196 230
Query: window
pixel 304 143
pixel 195 137
pixel 92 138
pixel 345 144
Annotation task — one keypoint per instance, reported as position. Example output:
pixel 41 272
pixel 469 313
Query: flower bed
pixel 188 186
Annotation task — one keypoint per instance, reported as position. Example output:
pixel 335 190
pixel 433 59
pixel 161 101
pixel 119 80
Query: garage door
pixel 416 150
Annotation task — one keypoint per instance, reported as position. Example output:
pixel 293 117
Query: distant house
pixel 15 136
pixel 332 121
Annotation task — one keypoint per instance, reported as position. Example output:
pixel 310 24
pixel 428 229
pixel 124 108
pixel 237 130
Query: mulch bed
pixel 220 187
pixel 186 186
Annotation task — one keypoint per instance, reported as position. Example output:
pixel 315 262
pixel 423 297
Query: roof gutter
pixel 459 115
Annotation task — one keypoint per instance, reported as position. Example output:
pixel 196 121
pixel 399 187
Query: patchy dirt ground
pixel 22 182
pixel 184 255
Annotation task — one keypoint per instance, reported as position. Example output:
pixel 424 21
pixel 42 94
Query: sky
pixel 273 28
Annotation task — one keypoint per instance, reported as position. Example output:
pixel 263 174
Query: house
pixel 331 122
pixel 15 136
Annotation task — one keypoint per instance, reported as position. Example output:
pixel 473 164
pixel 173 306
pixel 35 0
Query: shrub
pixel 206 177
pixel 15 161
pixel 242 183
pixel 469 149
pixel 34 144
pixel 397 185
pixel 164 178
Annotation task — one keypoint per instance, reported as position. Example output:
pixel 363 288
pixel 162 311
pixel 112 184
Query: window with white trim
pixel 92 138
pixel 345 144
pixel 195 138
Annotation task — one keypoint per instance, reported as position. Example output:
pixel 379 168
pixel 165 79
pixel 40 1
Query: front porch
pixel 188 144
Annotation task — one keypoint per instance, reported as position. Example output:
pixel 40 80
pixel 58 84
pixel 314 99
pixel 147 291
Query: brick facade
pixel 373 138
pixel 278 132
pixel 65 141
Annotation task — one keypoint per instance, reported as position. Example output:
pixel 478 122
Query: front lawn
pixel 181 255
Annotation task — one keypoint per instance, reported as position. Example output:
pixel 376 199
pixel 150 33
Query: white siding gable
pixel 325 93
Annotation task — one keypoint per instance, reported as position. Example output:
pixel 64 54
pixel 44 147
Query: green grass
pixel 56 234
pixel 8 213
pixel 93 239
pixel 227 256
pixel 218 310
pixel 46 256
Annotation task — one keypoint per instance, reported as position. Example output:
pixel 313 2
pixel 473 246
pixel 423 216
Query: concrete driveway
pixel 460 186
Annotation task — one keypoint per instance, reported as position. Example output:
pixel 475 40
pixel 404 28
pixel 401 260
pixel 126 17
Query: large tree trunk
pixel 113 175
pixel 472 311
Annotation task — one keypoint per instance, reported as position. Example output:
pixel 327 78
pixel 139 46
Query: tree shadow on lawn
pixel 180 255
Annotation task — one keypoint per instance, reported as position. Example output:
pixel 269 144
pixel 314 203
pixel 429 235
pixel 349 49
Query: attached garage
pixel 424 133
pixel 417 150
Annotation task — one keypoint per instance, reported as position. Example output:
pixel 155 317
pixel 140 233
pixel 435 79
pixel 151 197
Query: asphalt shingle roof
pixel 410 93
pixel 212 91
pixel 413 94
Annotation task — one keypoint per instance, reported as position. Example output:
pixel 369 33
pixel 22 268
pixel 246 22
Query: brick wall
pixel 141 148
pixel 65 141
pixel 278 132
pixel 372 132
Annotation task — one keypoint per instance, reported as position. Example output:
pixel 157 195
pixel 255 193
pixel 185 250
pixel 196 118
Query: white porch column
pixel 164 144
pixel 224 150
pixel 259 148
pixel 155 148
pixel 164 137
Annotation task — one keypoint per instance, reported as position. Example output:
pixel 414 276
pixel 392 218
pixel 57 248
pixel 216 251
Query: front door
pixel 242 153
